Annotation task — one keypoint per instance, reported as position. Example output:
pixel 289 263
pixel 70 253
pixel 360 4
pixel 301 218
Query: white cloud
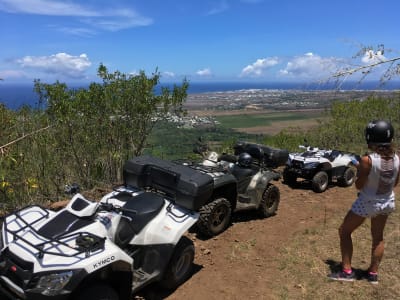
pixel 46 7
pixel 77 31
pixel 11 74
pixel 219 8
pixel 309 66
pixel 60 63
pixel 168 74
pixel 116 24
pixel 104 18
pixel 134 73
pixel 205 72
pixel 258 68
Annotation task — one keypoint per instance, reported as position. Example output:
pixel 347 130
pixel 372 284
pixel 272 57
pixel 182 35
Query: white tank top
pixel 381 178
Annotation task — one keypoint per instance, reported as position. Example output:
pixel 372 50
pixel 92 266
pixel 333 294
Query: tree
pixel 96 129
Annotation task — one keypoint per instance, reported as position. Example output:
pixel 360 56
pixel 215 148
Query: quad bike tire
pixel 270 201
pixel 289 178
pixel 97 291
pixel 180 266
pixel 215 217
pixel 348 178
pixel 320 182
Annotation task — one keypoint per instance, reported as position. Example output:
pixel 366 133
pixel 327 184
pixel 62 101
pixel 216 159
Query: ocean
pixel 13 96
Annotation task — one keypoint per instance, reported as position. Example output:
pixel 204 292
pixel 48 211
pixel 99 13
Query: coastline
pixel 13 96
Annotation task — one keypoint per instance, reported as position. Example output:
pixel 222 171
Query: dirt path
pixel 241 262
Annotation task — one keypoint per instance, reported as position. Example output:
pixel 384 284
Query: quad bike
pixel 108 249
pixel 242 181
pixel 320 167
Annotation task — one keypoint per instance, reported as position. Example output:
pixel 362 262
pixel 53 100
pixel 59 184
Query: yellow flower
pixel 32 183
pixel 4 184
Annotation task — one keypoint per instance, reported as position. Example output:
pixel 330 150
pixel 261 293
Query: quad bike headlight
pixel 53 284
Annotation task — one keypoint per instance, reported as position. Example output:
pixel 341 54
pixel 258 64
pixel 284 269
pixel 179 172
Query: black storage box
pixel 190 188
pixel 271 157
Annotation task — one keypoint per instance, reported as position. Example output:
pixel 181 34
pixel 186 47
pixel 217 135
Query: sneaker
pixel 372 278
pixel 342 276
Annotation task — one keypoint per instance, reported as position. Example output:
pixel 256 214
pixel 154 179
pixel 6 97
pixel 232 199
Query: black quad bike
pixel 242 181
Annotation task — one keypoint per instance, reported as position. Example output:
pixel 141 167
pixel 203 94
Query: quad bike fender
pixel 167 227
pixel 226 187
pixel 261 179
pixel 225 180
pixel 81 207
pixel 344 160
pixel 339 171
pixel 325 166
pixel 111 254
pixel 259 182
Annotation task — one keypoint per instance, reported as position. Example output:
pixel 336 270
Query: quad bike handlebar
pixel 116 208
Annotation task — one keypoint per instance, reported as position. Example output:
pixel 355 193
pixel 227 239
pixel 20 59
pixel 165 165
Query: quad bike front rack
pixel 85 242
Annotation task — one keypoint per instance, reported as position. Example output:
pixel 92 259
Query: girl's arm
pixel 363 169
pixel 397 178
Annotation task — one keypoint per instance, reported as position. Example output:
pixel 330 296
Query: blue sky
pixel 201 40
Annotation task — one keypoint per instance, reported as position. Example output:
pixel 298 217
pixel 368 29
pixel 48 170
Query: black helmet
pixel 245 160
pixel 379 132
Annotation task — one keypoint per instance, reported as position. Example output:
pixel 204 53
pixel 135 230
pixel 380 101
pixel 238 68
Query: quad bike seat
pixel 142 209
pixel 270 157
pixel 243 176
pixel 333 155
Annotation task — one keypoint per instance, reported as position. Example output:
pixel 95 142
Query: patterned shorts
pixel 369 208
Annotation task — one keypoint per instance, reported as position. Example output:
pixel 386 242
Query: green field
pixel 247 120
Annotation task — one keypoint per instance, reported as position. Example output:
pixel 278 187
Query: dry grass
pixel 276 127
pixel 314 253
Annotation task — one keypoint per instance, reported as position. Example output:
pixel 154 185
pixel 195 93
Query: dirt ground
pixel 241 263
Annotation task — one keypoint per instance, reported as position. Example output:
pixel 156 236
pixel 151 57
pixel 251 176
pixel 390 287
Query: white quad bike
pixel 109 249
pixel 320 167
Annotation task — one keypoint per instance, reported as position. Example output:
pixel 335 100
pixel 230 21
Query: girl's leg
pixel 377 226
pixel 350 223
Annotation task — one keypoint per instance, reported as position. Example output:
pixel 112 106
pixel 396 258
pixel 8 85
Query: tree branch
pixel 23 137
pixel 352 71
